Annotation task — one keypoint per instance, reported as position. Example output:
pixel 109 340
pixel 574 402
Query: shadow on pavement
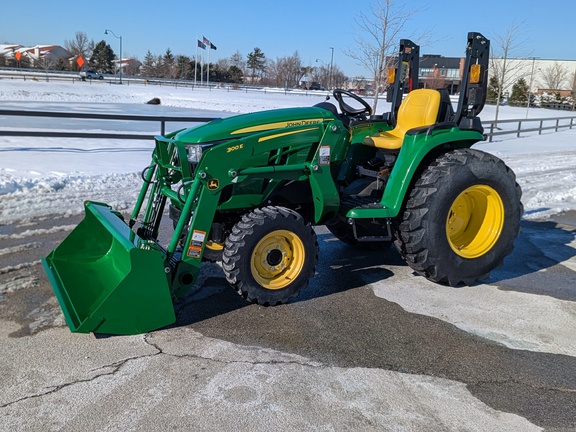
pixel 541 246
pixel 340 268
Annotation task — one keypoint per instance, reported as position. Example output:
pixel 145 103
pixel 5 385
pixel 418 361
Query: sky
pixel 279 29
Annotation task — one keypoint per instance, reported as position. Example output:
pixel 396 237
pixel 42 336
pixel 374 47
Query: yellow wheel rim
pixel 278 259
pixel 475 221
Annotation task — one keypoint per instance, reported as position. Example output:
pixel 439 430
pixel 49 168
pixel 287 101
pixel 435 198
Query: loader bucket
pixel 105 282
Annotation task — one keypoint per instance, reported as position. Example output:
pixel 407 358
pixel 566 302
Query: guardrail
pixel 93 116
pixel 127 80
pixel 491 127
pixel 543 124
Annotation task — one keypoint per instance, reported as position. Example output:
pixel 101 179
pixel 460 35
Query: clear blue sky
pixel 281 28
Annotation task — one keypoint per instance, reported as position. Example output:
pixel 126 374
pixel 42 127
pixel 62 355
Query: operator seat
pixel 420 108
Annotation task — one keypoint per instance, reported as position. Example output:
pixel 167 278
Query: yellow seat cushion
pixel 419 108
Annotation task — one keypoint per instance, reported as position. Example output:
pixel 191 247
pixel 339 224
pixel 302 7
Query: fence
pixel 93 116
pixel 73 77
pixel 491 127
pixel 496 128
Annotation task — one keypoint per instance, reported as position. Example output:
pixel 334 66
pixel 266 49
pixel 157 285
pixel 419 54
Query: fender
pixel 415 149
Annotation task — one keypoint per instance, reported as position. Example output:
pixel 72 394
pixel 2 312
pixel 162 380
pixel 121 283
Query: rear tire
pixel 270 255
pixel 461 219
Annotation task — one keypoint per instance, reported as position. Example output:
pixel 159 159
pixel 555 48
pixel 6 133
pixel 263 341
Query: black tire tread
pixel 231 256
pixel 411 233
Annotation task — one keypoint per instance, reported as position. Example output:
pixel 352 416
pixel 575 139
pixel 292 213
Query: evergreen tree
pixel 519 94
pixel 62 65
pixel 256 62
pixel 169 65
pixel 102 59
pixel 492 92
pixel 148 68
pixel 235 74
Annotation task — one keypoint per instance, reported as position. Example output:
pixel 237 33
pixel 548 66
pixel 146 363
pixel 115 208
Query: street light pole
pixel 331 64
pixel 117 37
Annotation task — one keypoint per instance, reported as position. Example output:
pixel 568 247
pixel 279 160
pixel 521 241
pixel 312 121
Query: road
pixel 367 346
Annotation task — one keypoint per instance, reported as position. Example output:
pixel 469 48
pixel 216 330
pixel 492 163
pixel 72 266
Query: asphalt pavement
pixel 367 346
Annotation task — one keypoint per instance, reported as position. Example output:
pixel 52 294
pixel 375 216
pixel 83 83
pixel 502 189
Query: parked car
pixel 90 75
pixel 315 86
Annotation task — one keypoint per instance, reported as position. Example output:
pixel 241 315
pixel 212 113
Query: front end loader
pixel 247 190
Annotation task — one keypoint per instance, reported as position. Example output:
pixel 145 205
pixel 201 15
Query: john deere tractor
pixel 247 190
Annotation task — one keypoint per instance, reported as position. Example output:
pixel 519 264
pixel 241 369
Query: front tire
pixel 270 255
pixel 461 219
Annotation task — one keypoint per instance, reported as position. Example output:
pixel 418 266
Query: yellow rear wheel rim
pixel 475 221
pixel 278 259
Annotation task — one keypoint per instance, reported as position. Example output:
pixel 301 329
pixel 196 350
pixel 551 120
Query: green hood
pixel 246 124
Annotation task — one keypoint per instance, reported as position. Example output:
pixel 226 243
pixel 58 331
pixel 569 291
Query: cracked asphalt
pixel 367 346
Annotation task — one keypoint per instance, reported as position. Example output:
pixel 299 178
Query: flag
pixel 208 43
pixel 201 45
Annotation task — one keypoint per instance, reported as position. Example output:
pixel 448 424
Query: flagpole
pixel 202 71
pixel 196 61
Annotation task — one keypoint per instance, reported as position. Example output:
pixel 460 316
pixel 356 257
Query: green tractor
pixel 247 191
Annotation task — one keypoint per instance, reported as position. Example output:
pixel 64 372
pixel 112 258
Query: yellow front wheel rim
pixel 278 259
pixel 475 221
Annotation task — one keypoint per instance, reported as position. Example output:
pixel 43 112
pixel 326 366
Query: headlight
pixel 194 153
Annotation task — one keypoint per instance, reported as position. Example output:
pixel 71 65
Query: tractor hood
pixel 246 124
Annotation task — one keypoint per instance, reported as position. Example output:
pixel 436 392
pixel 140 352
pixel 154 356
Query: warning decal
pixel 196 243
pixel 324 155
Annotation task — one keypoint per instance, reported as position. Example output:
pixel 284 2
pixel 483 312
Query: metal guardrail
pixel 93 116
pixel 543 125
pixel 490 126
pixel 127 80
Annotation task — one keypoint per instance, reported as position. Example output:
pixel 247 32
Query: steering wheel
pixel 347 109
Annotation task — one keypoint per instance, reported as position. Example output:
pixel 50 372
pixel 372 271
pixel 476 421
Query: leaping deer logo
pixel 213 184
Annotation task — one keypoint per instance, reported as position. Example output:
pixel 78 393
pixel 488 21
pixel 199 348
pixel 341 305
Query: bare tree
pixel 504 49
pixel 554 76
pixel 321 75
pixel 79 46
pixel 381 31
pixel 339 78
pixel 286 71
pixel 237 60
pixel 435 79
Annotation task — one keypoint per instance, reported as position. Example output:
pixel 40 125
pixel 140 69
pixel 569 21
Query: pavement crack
pixel 248 362
pixel 55 389
pixel 115 367
pixel 152 344
pixel 160 351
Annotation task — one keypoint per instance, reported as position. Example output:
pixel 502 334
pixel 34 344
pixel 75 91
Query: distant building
pixel 533 70
pixel 130 66
pixel 439 72
pixel 37 56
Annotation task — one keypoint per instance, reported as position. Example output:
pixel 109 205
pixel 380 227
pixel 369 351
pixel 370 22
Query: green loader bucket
pixel 105 282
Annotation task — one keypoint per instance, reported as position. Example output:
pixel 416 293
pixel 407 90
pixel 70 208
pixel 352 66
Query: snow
pixel 43 176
